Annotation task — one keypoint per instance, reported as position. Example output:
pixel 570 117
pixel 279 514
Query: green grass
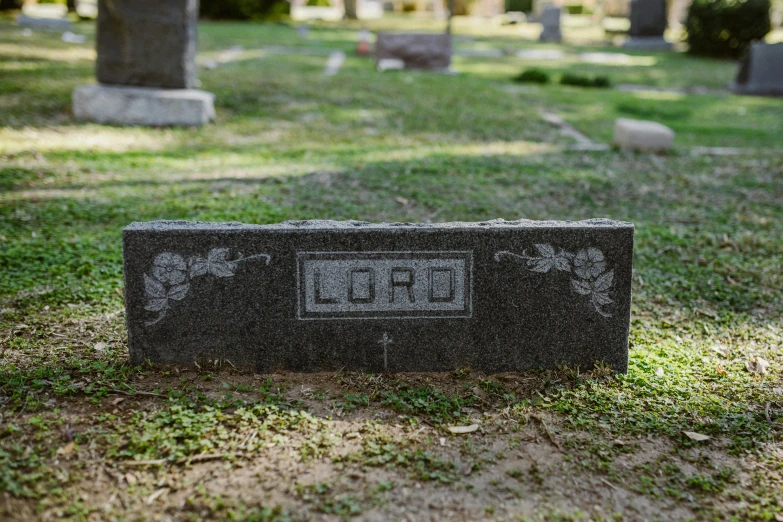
pixel 290 143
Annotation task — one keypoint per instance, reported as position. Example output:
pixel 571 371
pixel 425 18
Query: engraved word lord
pixel 378 285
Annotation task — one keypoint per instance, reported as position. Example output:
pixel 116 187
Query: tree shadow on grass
pixel 681 255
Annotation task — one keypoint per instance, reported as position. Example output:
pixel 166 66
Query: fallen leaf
pixel 464 429
pixel 130 478
pixel 401 200
pixel 659 372
pixel 720 370
pixel 118 400
pixel 100 346
pixel 66 450
pixel 777 391
pixel 757 365
pixel 696 436
pixel 442 441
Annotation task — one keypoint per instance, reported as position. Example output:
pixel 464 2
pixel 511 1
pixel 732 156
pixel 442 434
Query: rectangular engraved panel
pixel 377 285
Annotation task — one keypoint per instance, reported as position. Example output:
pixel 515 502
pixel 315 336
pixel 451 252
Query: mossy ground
pixel 85 435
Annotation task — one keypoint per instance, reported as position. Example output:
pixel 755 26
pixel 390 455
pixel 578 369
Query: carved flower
pixel 589 263
pixel 549 260
pixel 169 268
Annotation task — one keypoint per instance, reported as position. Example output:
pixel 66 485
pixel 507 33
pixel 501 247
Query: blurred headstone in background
pixel 761 71
pixel 417 51
pixel 648 23
pixel 147 43
pixel 47 17
pixel 146 66
pixel 550 20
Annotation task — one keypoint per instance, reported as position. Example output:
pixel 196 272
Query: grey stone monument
pixel 550 21
pixel 648 23
pixel 146 66
pixel 761 71
pixel 416 51
pixel 326 295
pixel 47 17
pixel 44 23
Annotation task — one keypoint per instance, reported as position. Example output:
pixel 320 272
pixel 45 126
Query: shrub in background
pixel 532 76
pixel 726 28
pixel 524 6
pixel 244 9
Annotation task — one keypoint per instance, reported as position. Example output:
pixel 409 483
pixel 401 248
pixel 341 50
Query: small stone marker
pixel 46 24
pixel 334 63
pixel 761 71
pixel 642 135
pixel 47 17
pixel 550 20
pixel 648 23
pixel 328 295
pixel 417 51
pixel 146 66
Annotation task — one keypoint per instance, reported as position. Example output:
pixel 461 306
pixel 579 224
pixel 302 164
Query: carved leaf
pixel 222 269
pixel 604 281
pixel 218 265
pixel 542 265
pixel 561 263
pixel 198 266
pixel 581 287
pixel 601 299
pixel 217 255
pixel 156 305
pixel 178 292
pixel 154 288
pixel 545 250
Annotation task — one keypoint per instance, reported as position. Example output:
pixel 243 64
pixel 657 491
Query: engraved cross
pixel 386 341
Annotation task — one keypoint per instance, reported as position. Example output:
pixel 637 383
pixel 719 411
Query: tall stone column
pixel 146 67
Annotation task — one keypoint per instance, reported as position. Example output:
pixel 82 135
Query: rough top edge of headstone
pixel 318 224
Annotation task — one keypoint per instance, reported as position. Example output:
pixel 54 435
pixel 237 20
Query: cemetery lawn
pixel 693 431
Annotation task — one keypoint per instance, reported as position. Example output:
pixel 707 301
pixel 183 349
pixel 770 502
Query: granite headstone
pixel 326 295
pixel 416 51
pixel 550 22
pixel 146 66
pixel 648 23
pixel 147 43
pixel 761 71
pixel 44 23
